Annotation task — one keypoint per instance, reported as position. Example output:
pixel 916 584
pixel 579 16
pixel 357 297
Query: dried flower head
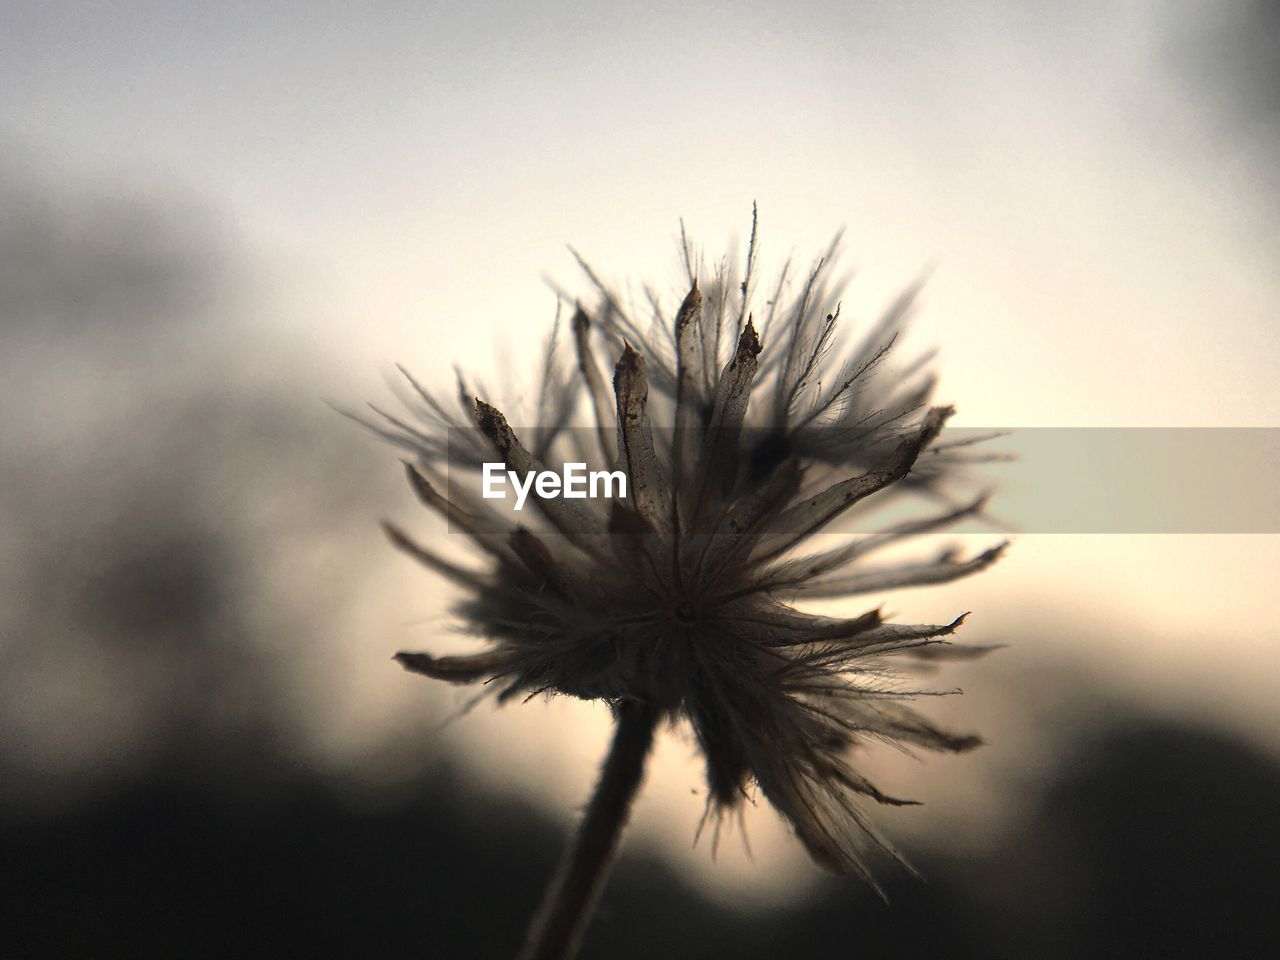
pixel 740 443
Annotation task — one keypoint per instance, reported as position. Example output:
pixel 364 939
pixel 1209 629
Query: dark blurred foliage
pixel 1226 57
pixel 1238 59
pixel 97 261
pixel 1155 841
pixel 1170 836
pixel 145 616
pixel 161 474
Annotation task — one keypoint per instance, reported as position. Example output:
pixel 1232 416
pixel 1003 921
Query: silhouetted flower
pixel 739 443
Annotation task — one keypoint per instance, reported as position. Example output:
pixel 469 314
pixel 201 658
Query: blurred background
pixel 213 219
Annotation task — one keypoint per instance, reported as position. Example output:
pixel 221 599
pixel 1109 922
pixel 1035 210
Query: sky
pixel 327 189
pixel 1100 235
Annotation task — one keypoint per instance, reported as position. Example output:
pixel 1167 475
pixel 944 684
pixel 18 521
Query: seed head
pixel 739 445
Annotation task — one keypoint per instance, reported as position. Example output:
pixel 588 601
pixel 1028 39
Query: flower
pixel 740 444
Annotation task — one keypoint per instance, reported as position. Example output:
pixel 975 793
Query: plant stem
pixel 570 899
